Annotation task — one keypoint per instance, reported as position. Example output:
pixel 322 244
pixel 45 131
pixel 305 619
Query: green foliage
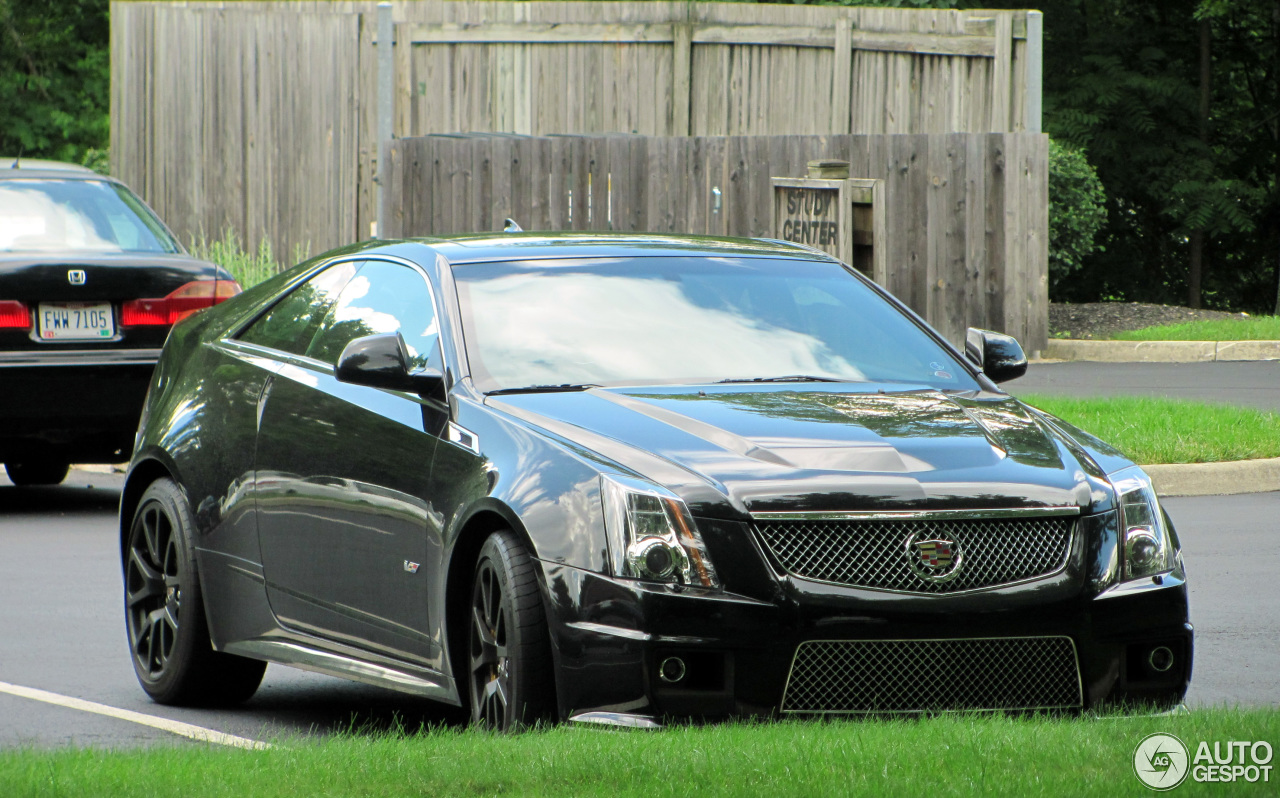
pixel 55 80
pixel 1155 430
pixel 1077 209
pixel 1122 79
pixel 1255 328
pixel 249 267
pixel 963 754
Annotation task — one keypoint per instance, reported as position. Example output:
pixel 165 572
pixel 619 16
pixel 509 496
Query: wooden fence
pixel 966 215
pixel 248 120
pixel 261 116
pixel 664 69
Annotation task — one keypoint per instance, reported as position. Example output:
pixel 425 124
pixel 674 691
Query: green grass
pixel 1255 328
pixel 1151 430
pixel 249 267
pixel 943 756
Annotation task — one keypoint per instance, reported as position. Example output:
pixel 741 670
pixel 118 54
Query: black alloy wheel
pixel 164 613
pixel 511 681
pixel 36 472
pixel 154 587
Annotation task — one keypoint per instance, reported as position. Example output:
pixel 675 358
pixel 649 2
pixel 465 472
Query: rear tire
pixel 168 633
pixel 36 472
pixel 510 674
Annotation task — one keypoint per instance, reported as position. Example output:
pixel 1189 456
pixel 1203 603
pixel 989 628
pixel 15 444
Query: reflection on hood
pixel 899 442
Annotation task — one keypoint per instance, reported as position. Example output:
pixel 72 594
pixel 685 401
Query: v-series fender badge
pixel 411 567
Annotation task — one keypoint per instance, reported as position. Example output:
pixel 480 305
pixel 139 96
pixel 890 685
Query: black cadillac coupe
pixel 626 479
pixel 90 283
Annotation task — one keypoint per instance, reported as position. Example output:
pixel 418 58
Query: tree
pixel 1247 63
pixel 55 79
pixel 1125 80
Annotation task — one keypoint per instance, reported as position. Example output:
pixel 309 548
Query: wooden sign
pixel 842 217
pixel 811 212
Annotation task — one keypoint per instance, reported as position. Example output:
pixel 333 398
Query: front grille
pixel 871 676
pixel 878 554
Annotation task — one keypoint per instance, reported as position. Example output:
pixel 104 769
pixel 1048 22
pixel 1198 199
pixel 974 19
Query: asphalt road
pixel 63 631
pixel 63 628
pixel 1249 383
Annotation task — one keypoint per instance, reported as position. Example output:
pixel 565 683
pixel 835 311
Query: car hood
pixel 815 448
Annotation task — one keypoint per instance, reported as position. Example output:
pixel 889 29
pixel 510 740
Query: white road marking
pixel 164 724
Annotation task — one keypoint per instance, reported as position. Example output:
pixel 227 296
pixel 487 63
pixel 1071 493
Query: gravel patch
pixel 1102 320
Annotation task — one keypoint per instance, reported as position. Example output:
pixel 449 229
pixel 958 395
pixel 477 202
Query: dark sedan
pixel 628 478
pixel 90 283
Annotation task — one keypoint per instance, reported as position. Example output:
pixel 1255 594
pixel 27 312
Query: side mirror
pixel 382 361
pixel 998 355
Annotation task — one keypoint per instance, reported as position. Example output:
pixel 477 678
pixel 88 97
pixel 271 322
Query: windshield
pixel 77 215
pixel 687 320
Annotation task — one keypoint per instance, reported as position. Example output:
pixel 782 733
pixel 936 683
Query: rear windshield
pixel 672 320
pixel 79 216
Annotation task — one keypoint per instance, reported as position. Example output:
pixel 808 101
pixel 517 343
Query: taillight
pixel 14 315
pixel 177 305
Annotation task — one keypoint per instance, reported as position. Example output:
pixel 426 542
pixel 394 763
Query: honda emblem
pixel 76 276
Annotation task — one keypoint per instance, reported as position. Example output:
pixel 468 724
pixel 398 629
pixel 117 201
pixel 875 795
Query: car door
pixel 341 471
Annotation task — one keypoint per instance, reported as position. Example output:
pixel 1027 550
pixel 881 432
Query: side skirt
pixel 434 686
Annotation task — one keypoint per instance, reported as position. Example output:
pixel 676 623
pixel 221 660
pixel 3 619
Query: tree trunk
pixel 1275 126
pixel 1196 266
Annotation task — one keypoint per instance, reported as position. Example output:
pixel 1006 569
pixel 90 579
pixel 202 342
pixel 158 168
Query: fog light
pixel 671 670
pixel 1160 659
pixel 652 558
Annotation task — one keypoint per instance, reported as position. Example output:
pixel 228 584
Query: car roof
pixel 478 248
pixel 34 167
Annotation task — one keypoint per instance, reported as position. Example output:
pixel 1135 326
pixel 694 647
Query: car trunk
pixel 77 301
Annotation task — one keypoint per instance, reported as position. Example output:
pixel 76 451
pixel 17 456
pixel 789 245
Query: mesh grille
pixel 876 554
pixel 933 675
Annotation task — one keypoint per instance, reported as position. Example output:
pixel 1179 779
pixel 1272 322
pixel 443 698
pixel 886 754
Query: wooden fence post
pixel 681 78
pixel 842 77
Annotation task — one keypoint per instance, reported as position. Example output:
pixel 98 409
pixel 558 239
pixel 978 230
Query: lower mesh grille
pixel 933 675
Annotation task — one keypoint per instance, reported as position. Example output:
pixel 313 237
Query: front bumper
pixel 611 637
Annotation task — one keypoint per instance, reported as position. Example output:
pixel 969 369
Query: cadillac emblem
pixel 934 558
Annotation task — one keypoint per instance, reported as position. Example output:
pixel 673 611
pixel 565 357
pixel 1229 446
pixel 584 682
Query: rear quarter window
pixel 292 321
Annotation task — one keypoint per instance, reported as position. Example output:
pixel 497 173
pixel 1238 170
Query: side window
pixel 292 322
pixel 383 297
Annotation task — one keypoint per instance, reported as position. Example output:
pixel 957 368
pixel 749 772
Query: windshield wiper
pixel 564 388
pixel 787 378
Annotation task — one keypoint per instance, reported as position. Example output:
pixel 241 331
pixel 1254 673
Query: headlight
pixel 1147 547
pixel 651 534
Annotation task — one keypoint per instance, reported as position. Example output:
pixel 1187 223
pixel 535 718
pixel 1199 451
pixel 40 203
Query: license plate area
pixel 75 321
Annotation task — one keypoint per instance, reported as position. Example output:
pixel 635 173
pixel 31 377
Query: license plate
pixel 63 321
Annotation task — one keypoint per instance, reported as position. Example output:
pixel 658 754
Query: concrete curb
pixel 1216 479
pixel 1160 351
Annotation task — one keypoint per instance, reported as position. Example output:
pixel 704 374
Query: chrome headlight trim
pixel 641 518
pixel 1147 548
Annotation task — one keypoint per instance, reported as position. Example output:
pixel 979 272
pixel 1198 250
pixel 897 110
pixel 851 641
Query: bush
pixel 1077 209
pixel 248 267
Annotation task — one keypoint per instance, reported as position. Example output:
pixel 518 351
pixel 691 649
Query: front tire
pixel 510 673
pixel 36 472
pixel 164 611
